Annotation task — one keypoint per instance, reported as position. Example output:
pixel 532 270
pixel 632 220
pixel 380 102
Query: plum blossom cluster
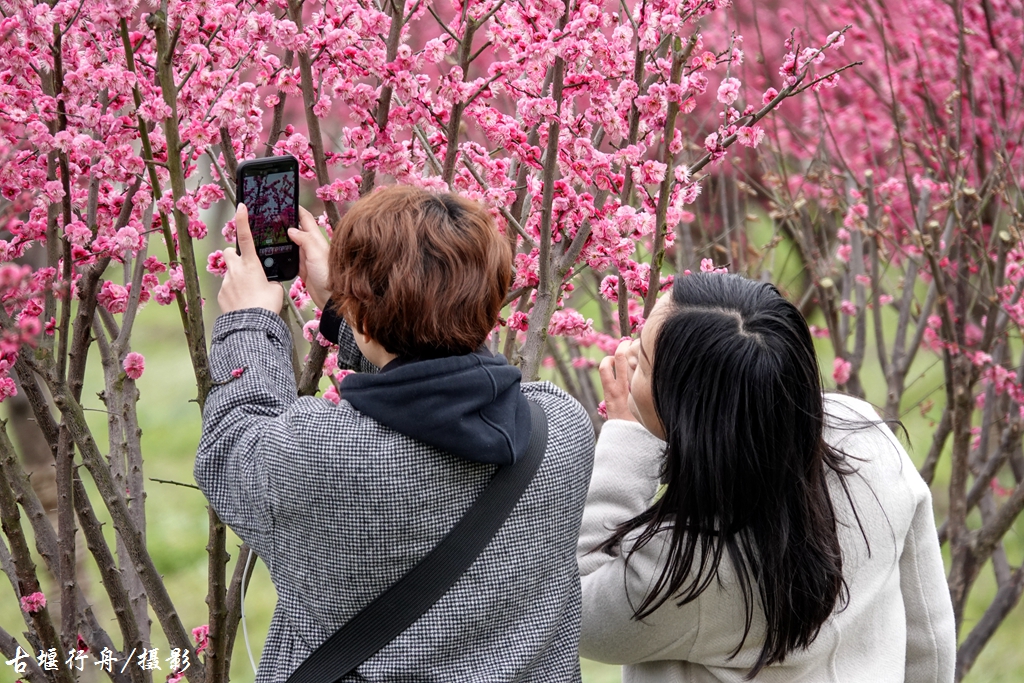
pixel 595 132
pixel 899 208
pixel 899 188
pixel 568 322
pixel 32 603
pixel 125 178
pixel 580 126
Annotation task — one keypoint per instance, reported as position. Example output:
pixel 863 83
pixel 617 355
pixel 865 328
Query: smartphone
pixel 269 188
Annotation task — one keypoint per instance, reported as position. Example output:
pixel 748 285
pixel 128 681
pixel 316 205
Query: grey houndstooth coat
pixel 339 507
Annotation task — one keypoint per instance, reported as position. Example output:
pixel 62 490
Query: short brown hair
pixel 424 275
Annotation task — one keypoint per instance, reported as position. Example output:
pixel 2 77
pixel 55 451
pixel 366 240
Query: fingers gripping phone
pixel 269 188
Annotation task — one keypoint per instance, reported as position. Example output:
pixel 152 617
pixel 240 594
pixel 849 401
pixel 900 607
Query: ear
pixel 372 350
pixel 360 336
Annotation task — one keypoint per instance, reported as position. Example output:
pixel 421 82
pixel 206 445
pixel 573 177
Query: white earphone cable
pixel 245 631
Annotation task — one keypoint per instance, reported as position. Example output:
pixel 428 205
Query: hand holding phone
pixel 269 188
pixel 245 284
pixel 313 255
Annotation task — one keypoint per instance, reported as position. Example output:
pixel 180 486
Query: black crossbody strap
pixel 398 607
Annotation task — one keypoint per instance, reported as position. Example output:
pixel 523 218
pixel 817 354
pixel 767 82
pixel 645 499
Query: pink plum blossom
pixel 30 327
pixel 7 388
pixel 134 364
pixel 32 603
pixel 163 294
pixel 569 323
pixel 999 489
pixel 708 266
pixel 298 294
pixel 113 297
pixel 729 90
pixel 749 136
pixel 841 371
pixel 519 321
pixel 609 288
pixel 201 634
pixel 215 263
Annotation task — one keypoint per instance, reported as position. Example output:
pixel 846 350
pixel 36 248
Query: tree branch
pixel 147 156
pixel 309 381
pixel 164 608
pixel 120 601
pixel 46 543
pixel 1007 597
pixel 9 648
pixel 544 306
pixel 395 9
pixel 455 118
pixel 938 443
pixel 986 538
pixel 277 127
pixel 25 569
pixel 195 332
pixel 679 57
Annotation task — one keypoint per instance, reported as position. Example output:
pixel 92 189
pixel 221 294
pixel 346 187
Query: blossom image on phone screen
pixel 270 199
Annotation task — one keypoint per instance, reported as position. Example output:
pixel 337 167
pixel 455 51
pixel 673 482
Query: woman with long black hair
pixel 793 539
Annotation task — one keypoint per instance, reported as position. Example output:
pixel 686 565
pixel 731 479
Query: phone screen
pixel 270 199
pixel 269 190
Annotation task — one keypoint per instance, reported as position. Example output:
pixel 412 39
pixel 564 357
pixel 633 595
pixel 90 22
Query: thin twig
pixel 176 483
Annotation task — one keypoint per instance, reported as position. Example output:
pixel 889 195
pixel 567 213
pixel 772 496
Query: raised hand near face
pixel 616 372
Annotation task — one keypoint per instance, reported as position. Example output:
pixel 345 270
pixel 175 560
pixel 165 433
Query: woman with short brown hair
pixel 342 500
pixel 423 274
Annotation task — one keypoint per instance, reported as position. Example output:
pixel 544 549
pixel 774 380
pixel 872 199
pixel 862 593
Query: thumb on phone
pixel 307 222
pixel 299 237
pixel 246 245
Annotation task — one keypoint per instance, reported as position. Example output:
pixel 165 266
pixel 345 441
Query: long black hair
pixel 735 383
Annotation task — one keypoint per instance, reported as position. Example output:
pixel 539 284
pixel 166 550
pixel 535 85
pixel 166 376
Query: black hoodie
pixel 470 406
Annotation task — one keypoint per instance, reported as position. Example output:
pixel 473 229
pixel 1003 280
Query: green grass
pixel 177 517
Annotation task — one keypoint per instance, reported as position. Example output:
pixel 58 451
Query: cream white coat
pixel 897 625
